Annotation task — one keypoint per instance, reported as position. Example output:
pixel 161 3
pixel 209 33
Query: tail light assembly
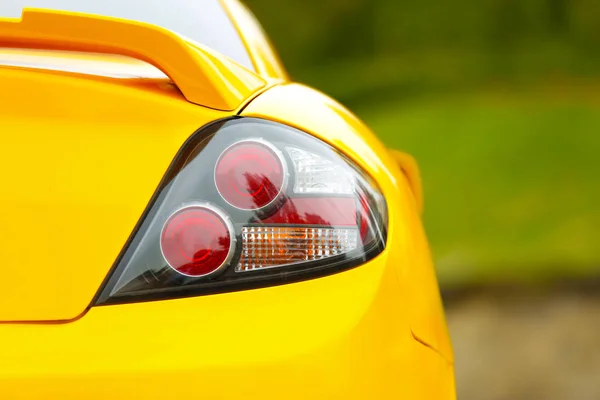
pixel 249 203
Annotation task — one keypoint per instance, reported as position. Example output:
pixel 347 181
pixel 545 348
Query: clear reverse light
pixel 315 174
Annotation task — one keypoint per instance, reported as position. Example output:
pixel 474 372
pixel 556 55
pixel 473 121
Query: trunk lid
pixel 80 159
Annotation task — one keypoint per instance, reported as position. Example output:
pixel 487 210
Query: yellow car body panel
pixel 342 336
pixel 89 150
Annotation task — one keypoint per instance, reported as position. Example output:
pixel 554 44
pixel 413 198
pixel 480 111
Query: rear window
pixel 204 21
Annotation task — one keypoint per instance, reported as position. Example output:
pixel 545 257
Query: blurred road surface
pixel 517 345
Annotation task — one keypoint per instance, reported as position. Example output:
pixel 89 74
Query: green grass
pixel 511 180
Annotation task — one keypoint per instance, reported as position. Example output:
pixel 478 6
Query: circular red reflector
pixel 197 240
pixel 250 174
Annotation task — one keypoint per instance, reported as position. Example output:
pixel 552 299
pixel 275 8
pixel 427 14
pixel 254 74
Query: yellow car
pixel 179 219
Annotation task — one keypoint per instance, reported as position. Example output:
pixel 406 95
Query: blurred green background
pixel 499 102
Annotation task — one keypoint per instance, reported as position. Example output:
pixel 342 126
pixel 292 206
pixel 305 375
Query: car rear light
pixel 249 203
pixel 315 174
pixel 251 174
pixel 197 240
pixel 267 246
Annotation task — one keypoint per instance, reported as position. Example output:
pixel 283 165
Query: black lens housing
pixel 190 178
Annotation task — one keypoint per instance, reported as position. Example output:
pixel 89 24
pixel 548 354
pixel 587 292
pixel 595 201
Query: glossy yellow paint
pixel 203 76
pixel 81 156
pixel 82 174
pixel 344 336
pixel 409 167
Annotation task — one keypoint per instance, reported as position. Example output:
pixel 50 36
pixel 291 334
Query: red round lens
pixel 250 174
pixel 196 241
